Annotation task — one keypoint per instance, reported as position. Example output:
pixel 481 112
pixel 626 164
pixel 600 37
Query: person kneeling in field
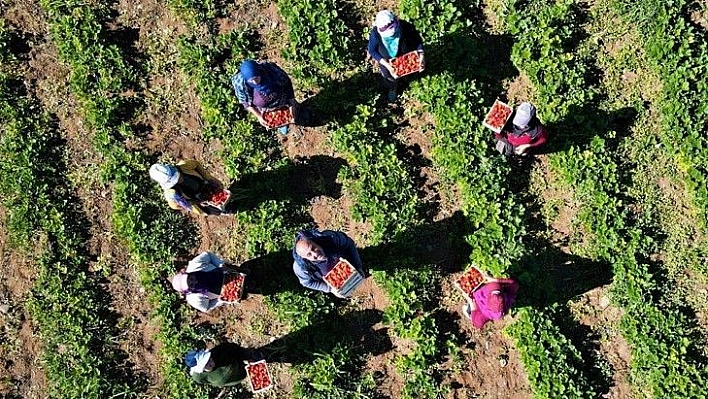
pixel 222 366
pixel 491 301
pixel 264 86
pixel 187 186
pixel 201 281
pixel 526 132
pixel 317 252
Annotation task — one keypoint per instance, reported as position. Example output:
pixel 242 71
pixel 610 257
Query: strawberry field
pixel 606 230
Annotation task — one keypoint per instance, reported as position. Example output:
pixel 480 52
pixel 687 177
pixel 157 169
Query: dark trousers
pixel 389 81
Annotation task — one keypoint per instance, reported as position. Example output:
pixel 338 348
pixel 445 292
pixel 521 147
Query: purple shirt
pixel 483 313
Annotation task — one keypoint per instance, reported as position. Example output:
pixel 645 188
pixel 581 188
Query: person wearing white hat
pixel 526 132
pixel 187 186
pixel 201 281
pixel 392 37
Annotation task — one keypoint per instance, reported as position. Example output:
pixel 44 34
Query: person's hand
pixel 422 62
pixel 491 280
pixel 521 149
pixel 262 121
pixel 389 67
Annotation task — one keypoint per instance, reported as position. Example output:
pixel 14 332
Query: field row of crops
pixel 622 230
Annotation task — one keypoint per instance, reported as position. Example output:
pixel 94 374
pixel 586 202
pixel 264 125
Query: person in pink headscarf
pixel 491 301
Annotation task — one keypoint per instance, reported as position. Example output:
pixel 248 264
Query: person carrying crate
pixel 201 281
pixel 526 132
pixel 188 186
pixel 317 252
pixel 222 366
pixel 264 86
pixel 389 38
pixel 491 301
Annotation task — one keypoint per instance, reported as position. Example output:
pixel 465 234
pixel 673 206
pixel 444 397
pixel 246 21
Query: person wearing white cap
pixel 526 132
pixel 392 37
pixel 187 186
pixel 201 281
pixel 222 366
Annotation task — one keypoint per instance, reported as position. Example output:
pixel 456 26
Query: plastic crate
pixel 220 205
pixel 414 54
pixel 250 378
pixel 350 284
pixel 230 275
pixel 291 117
pixel 472 270
pixel 497 104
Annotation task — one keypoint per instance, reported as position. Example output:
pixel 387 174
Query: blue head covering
pixel 251 69
pixel 197 360
pixel 190 359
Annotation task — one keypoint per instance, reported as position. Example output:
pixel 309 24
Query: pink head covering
pixel 179 282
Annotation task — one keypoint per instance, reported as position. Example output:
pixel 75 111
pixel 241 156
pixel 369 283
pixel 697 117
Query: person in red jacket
pixel 491 301
pixel 526 132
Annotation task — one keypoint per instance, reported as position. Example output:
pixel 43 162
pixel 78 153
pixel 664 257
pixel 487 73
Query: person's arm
pixel 246 98
pixel 241 89
pixel 204 262
pixel 201 302
pixel 541 138
pixel 347 247
pixel 373 46
pixel 287 83
pixel 308 281
pixel 176 201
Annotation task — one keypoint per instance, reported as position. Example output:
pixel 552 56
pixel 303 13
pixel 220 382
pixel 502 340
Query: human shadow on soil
pixel 441 244
pixel 353 331
pixel 299 181
pixel 582 124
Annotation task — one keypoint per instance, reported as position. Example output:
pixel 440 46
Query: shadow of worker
pixel 298 181
pixel 270 274
pixel 352 332
pixel 553 276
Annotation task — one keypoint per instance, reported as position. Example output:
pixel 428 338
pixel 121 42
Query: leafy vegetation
pixel 67 303
pixel 601 139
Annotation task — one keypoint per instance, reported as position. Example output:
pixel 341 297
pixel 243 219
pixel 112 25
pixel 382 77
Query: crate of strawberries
pixel 219 198
pixel 258 376
pixel 406 64
pixel 343 278
pixel 470 281
pixel 278 117
pixel 232 287
pixel 498 116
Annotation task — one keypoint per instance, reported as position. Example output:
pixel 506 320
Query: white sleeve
pixel 204 262
pixel 201 302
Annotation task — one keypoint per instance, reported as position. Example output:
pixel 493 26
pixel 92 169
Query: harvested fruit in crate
pixel 406 64
pixel 471 280
pixel 258 376
pixel 497 116
pixel 232 287
pixel 339 274
pixel 219 197
pixel 278 117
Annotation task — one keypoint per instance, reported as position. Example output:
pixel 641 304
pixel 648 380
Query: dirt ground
pixel 488 367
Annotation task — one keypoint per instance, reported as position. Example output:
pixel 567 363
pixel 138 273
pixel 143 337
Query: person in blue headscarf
pixel 317 252
pixel 264 86
pixel 392 37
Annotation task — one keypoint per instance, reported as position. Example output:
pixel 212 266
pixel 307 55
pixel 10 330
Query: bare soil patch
pixel 594 310
pixel 490 366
